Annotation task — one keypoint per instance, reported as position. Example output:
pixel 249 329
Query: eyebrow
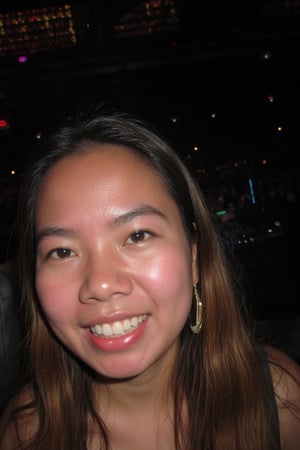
pixel 142 210
pixel 53 231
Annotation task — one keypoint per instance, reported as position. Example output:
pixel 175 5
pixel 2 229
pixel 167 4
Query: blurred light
pixel 12 172
pixel 36 30
pixel 271 98
pixel 196 148
pixel 213 115
pixel 266 55
pixel 22 59
pixel 251 191
pixel 279 128
pixel 150 17
pixel 3 123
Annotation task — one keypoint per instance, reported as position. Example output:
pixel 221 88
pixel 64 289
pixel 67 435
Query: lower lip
pixel 118 343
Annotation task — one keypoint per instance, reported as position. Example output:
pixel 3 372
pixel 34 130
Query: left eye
pixel 61 253
pixel 138 237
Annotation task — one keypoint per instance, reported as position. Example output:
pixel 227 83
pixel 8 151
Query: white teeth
pixel 126 325
pixel 119 327
pixel 134 321
pixel 106 329
pixel 98 329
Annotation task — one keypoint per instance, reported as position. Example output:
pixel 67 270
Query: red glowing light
pixel 3 123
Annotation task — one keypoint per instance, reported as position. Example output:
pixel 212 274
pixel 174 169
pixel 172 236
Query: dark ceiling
pixel 225 80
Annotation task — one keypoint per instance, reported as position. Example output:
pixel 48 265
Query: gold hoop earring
pixel 198 325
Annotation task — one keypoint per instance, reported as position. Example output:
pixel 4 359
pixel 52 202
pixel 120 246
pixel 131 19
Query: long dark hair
pixel 218 374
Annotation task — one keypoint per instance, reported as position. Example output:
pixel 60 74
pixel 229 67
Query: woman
pixel 135 335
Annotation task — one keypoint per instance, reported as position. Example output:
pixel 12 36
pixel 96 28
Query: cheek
pixel 169 277
pixel 55 297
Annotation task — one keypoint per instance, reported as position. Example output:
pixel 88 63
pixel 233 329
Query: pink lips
pixel 118 343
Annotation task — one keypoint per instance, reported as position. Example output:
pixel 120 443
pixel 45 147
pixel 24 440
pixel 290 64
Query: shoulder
pixel 18 424
pixel 286 381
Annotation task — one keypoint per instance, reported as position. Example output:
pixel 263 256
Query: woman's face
pixel 114 269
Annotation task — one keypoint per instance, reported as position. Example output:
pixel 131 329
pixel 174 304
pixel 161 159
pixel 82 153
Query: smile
pixel 118 328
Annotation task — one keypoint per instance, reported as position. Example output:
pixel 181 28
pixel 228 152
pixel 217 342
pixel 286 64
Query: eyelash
pixel 144 233
pixel 55 253
pixel 65 252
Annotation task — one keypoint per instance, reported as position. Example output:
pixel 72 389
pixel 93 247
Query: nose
pixel 104 278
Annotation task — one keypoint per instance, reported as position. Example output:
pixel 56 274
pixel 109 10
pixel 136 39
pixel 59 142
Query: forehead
pixel 101 171
pixel 102 161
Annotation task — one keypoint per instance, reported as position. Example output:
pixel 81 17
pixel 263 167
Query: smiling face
pixel 114 269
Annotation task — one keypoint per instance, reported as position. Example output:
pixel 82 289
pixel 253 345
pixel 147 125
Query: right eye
pixel 61 253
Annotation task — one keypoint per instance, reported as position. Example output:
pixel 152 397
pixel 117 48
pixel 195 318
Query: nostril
pixel 101 285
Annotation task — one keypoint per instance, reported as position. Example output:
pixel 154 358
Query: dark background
pixel 236 59
pixel 219 78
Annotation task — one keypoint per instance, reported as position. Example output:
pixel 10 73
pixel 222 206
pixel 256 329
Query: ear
pixel 195 266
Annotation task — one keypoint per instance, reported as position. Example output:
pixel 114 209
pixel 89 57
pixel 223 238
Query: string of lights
pixel 37 30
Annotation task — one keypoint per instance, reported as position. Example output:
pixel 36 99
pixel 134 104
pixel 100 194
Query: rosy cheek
pixel 54 298
pixel 167 271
